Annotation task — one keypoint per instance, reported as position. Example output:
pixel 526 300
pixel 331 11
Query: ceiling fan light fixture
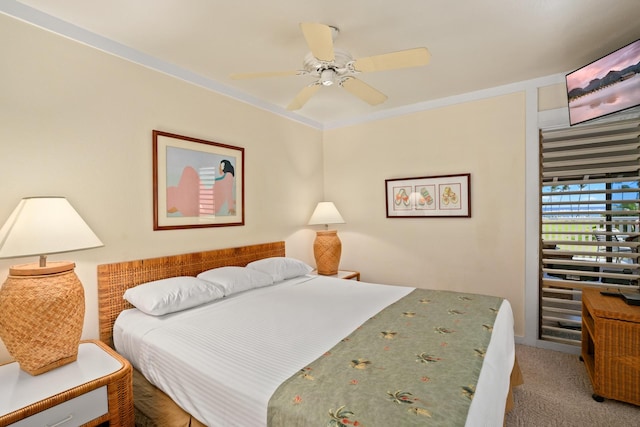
pixel 327 76
pixel 330 65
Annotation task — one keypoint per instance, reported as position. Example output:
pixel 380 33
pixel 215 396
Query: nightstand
pixel 95 389
pixel 342 274
pixel 611 346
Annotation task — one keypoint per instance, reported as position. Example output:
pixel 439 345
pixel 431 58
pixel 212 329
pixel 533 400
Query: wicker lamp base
pixel 41 315
pixel 327 249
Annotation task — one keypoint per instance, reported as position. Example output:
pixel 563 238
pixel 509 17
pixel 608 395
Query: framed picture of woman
pixel 196 183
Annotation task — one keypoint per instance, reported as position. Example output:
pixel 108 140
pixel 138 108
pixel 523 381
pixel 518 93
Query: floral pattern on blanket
pixel 416 362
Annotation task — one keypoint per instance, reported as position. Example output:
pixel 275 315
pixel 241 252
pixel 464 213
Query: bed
pixel 255 371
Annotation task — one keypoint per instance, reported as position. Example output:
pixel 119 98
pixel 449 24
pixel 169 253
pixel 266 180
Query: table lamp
pixel 327 247
pixel 42 304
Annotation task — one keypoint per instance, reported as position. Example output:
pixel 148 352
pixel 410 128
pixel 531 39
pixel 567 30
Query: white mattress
pixel 251 342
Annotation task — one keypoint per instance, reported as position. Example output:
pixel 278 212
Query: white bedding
pixel 253 341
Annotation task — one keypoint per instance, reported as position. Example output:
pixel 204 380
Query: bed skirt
pixel 153 408
pixel 516 380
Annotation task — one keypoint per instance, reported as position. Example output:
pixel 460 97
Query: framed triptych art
pixel 429 196
pixel 196 183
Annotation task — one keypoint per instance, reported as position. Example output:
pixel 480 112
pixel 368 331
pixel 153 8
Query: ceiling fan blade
pixel 319 38
pixel 240 76
pixel 363 91
pixel 303 96
pixel 390 61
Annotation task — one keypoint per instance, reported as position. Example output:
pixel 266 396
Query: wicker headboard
pixel 114 279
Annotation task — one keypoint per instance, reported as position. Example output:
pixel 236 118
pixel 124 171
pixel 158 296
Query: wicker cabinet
pixel 95 389
pixel 611 346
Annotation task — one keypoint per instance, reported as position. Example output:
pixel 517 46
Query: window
pixel 589 179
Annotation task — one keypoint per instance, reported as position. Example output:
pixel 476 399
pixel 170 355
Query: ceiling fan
pixel 330 65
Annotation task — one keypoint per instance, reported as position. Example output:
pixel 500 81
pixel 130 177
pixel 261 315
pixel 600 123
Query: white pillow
pixel 173 294
pixel 281 268
pixel 236 279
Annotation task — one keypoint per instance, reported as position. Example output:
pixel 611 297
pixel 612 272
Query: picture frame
pixel 441 196
pixel 196 183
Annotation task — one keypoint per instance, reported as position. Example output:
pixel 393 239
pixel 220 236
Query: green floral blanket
pixel 416 362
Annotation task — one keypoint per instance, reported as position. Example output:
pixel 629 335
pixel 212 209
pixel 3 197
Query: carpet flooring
pixel 557 392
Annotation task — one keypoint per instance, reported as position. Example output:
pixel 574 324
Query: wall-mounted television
pixel 606 85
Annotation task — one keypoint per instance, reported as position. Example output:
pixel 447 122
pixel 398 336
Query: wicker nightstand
pixel 95 389
pixel 343 274
pixel 611 346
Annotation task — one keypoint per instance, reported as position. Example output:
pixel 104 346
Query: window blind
pixel 590 224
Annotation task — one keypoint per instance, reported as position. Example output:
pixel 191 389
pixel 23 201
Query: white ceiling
pixel 474 44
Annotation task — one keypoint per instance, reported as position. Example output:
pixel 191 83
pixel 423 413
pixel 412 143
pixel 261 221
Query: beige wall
pixel 552 97
pixel 484 253
pixel 77 122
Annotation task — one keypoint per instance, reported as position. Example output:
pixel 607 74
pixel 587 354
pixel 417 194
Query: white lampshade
pixel 45 225
pixel 326 213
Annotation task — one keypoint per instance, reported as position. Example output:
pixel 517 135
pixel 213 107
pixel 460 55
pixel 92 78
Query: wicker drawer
pixel 72 413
